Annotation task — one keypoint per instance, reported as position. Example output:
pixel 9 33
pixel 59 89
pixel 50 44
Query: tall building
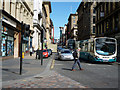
pixel 37 23
pixel 61 35
pixel 47 5
pixel 13 13
pixel 86 20
pixel 72 28
pixel 108 21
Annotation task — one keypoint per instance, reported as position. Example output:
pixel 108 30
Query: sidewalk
pixel 42 77
pixel 31 67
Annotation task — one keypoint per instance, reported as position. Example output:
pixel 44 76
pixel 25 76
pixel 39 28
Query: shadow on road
pixel 68 69
pixel 15 71
pixel 101 63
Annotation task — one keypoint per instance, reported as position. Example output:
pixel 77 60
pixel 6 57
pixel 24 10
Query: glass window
pixel 94 10
pixel 116 21
pixel 103 27
pixel 107 8
pixel 73 21
pixel 100 29
pixel 86 47
pixel 105 47
pixel 92 47
pixel 93 19
pixel 93 29
pixel 73 17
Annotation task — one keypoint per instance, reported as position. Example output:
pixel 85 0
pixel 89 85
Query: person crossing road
pixel 76 55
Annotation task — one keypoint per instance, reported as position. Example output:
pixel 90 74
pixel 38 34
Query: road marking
pixel 52 65
pixel 58 64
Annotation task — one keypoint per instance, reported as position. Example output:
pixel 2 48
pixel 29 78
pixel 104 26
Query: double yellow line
pixel 52 65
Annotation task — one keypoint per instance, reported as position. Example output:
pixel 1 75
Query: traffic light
pixel 26 30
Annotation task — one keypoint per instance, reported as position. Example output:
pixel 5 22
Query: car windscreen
pixel 65 52
pixel 44 50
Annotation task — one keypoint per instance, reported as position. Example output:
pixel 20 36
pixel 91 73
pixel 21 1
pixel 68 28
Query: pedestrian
pixel 31 51
pixel 76 55
pixel 37 53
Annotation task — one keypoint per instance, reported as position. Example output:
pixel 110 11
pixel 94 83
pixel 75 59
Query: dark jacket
pixel 75 55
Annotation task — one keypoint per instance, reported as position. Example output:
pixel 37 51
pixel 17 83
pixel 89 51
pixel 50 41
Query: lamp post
pixel 42 33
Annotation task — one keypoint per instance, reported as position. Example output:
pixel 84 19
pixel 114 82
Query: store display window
pixel 7 45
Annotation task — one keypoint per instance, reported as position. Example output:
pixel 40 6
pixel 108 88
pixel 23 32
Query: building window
pixel 103 28
pixel 97 30
pixel 107 8
pixel 7 45
pixel 73 17
pixel 94 10
pixel 73 21
pixel 110 24
pixel 111 6
pixel 10 6
pixel 116 22
pixel 3 4
pixel 93 29
pixel 116 5
pixel 93 19
pixel 100 29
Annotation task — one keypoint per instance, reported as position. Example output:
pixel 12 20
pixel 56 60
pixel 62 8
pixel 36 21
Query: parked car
pixel 65 54
pixel 45 53
pixel 50 51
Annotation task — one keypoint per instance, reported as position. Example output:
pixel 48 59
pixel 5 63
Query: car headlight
pixel 62 56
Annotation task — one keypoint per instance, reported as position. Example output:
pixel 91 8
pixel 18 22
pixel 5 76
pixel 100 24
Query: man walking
pixel 76 56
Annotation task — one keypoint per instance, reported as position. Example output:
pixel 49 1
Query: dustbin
pixel 22 54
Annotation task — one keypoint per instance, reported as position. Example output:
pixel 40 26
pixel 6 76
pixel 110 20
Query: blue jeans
pixel 76 62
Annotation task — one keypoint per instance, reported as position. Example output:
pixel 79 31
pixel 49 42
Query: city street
pixel 59 75
pixel 34 75
pixel 98 75
pixel 58 33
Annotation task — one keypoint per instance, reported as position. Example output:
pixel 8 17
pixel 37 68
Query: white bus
pixel 102 49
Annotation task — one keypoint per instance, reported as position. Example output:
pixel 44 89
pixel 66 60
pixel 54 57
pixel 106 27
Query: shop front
pixel 7 45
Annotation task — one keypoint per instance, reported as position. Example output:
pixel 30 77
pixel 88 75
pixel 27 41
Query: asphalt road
pixel 97 75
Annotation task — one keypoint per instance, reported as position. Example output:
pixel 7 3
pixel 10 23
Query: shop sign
pixel 9 21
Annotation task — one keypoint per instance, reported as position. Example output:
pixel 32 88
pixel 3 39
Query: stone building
pixel 13 13
pixel 37 23
pixel 108 21
pixel 47 5
pixel 86 20
pixel 72 29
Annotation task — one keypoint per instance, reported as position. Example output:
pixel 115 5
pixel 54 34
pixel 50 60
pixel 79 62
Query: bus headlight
pixel 114 57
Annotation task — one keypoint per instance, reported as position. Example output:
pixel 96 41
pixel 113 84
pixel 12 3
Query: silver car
pixel 65 54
